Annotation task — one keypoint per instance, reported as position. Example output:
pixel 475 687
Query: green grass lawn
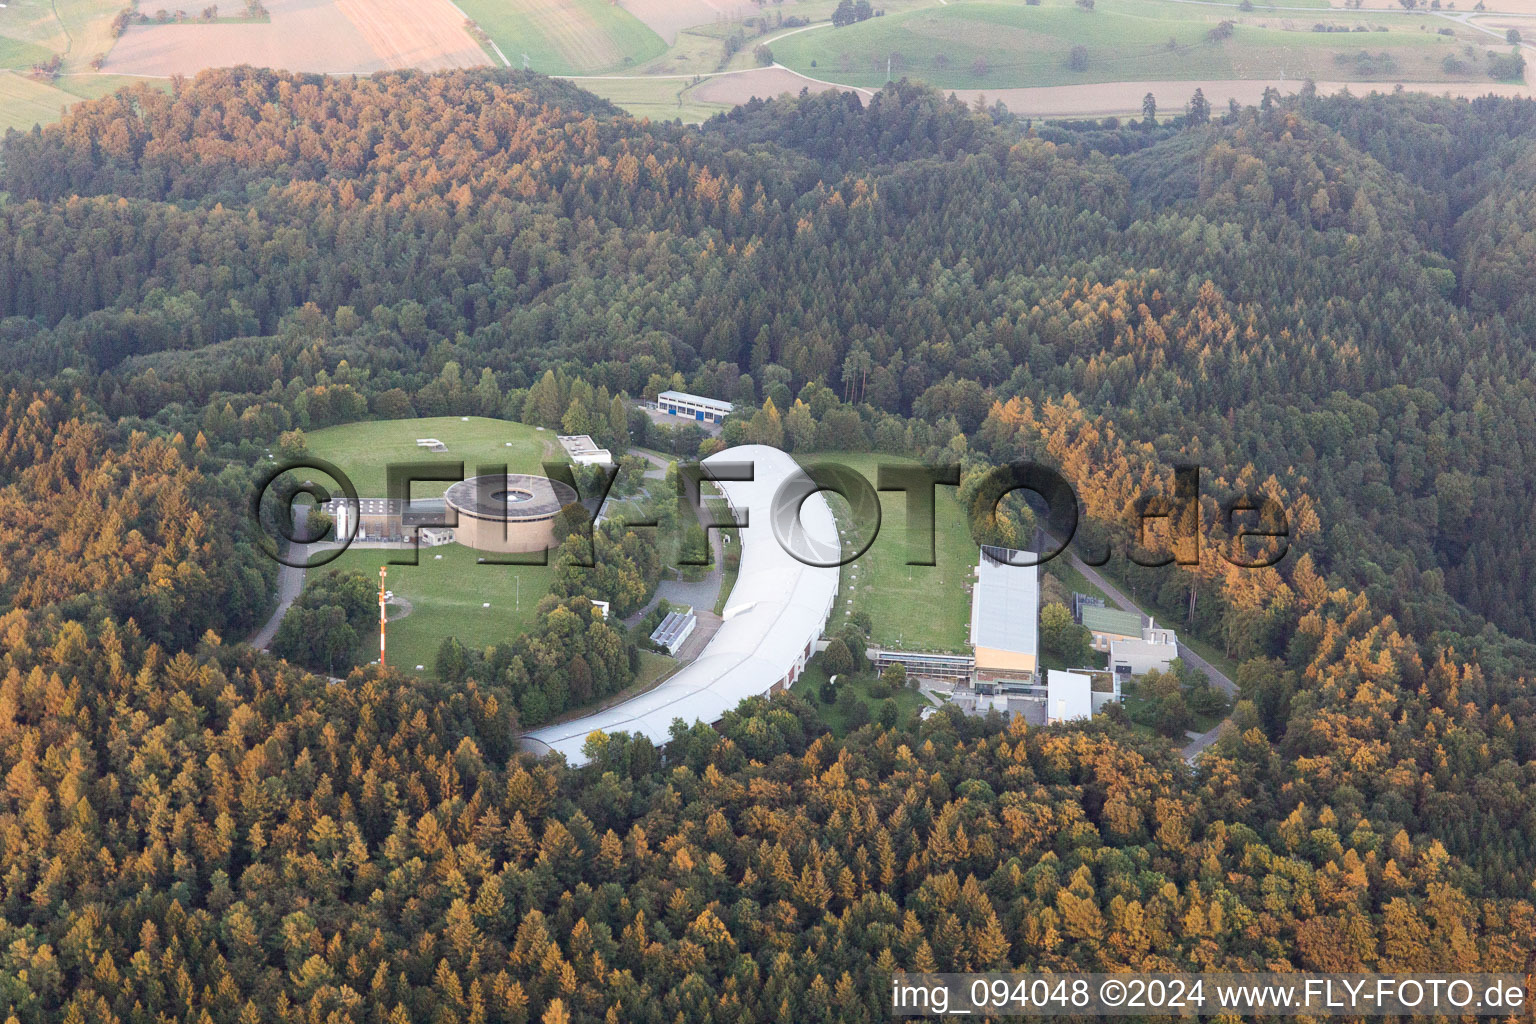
pixel 914 607
pixel 25 102
pixel 569 37
pixel 364 450
pixel 448 594
pixel 21 54
pixel 77 30
pixel 449 588
pixel 653 666
pixel 720 511
pixel 1061 567
pixel 982 45
pixel 908 701
pixel 660 99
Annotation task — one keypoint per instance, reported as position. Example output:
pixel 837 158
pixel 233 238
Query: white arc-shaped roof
pixel 777 608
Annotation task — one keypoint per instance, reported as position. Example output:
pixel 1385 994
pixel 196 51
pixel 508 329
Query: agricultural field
pixel 690 59
pixel 660 99
pixel 726 91
pixel 26 101
pixel 447 591
pixel 566 37
pixel 914 607
pixel 34 32
pixel 364 450
pixel 667 18
pixel 19 55
pixel 1012 45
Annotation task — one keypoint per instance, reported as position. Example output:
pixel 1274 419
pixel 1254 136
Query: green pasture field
pixel 660 99
pixel 76 30
pixel 981 45
pixel 19 55
pixel 25 102
pixel 449 587
pixel 448 590
pixel 914 607
pixel 364 450
pixel 33 32
pixel 569 37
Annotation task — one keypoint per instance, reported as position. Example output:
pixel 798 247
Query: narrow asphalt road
pixel 1218 678
pixel 700 595
pixel 290 583
pixel 658 470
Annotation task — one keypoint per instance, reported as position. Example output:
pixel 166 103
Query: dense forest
pixel 1318 300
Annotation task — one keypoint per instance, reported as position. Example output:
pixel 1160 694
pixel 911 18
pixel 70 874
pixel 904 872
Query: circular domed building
pixel 506 514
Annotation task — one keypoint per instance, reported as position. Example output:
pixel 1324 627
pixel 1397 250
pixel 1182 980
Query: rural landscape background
pixel 691 59
pixel 1107 237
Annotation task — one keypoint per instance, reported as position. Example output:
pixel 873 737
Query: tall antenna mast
pixel 382 571
pixel 525 62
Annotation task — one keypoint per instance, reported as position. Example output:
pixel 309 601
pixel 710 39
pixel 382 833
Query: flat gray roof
pixel 511 497
pixel 418 512
pixel 1005 605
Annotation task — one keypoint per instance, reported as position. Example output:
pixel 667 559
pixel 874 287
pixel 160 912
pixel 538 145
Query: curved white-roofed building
pixel 775 613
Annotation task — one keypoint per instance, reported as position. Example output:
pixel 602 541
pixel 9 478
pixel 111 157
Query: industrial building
pixel 385 520
pixel 1005 611
pixel 1154 649
pixel 584 451
pixel 1056 696
pixel 509 513
pixel 776 613
pixel 925 664
pixel 1110 624
pixel 1069 696
pixel 1024 703
pixel 673 630
pixel 694 407
pixel 494 513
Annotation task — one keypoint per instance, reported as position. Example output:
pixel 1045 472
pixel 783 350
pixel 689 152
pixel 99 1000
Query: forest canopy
pixel 1317 299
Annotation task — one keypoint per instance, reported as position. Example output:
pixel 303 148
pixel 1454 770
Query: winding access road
pixel 1219 679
